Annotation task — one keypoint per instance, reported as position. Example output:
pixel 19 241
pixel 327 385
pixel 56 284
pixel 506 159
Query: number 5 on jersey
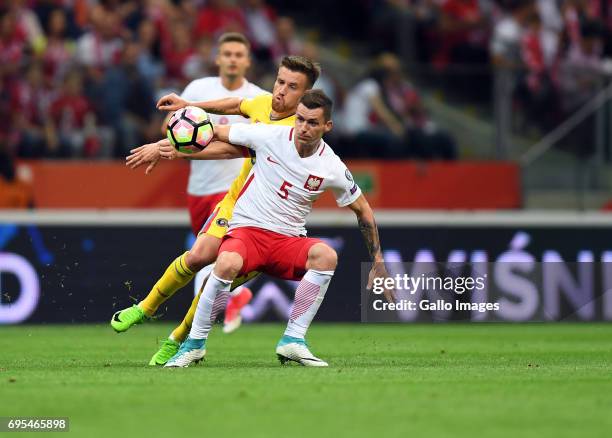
pixel 283 188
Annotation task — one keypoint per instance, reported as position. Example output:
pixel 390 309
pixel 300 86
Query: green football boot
pixel 167 349
pixel 126 318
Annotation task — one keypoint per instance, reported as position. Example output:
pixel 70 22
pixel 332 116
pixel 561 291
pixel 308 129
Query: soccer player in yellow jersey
pixel 295 76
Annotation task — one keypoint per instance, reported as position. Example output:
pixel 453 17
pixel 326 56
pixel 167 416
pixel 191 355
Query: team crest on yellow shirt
pixel 222 222
pixel 313 183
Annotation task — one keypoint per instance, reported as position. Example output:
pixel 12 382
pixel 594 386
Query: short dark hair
pixel 234 37
pixel 313 99
pixel 301 64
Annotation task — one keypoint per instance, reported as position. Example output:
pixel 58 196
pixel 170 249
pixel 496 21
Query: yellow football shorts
pixel 217 223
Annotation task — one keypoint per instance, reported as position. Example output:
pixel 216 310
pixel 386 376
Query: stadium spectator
pixel 551 29
pixel 14 193
pixel 98 52
pixel 571 18
pixel 371 126
pixel 424 138
pixel 59 51
pixel 538 87
pixel 287 42
pixel 176 55
pixel 326 81
pixel 27 23
pixel 219 16
pixel 505 45
pixel 73 126
pixel 461 56
pixel 463 33
pixel 579 15
pixel 398 24
pixel 201 63
pixel 583 73
pixel 13 44
pixel 583 66
pixel 421 16
pixel 162 15
pixel 149 60
pixel 81 13
pixel 100 48
pixel 261 27
pixel 131 95
pixel 384 116
pixel 30 100
pixel 384 27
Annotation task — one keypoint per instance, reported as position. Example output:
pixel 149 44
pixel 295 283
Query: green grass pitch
pixel 536 380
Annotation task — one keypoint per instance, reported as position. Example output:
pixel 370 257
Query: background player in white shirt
pixel 209 181
pixel 267 231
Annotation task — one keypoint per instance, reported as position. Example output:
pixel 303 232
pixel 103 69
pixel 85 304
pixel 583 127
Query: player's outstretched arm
pixel 369 230
pixel 227 106
pixel 216 150
pixel 150 153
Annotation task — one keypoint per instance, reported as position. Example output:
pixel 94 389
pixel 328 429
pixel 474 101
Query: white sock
pixel 308 297
pixel 212 301
pixel 201 275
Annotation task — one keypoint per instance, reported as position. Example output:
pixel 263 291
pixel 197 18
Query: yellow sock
pixel 180 333
pixel 176 276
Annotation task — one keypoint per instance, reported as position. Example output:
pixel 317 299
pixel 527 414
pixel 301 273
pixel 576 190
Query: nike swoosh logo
pixel 272 161
pixel 116 317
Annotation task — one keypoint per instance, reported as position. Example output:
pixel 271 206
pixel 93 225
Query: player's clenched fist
pixel 171 102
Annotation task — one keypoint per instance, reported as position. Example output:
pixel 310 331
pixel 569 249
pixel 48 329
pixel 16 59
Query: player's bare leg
pixel 178 274
pixel 213 300
pixel 322 261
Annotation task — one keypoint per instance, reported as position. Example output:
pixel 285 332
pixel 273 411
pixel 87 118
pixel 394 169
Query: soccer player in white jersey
pixel 209 181
pixel 267 231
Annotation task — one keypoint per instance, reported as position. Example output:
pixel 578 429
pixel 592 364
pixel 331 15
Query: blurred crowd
pixel 79 78
pixel 557 50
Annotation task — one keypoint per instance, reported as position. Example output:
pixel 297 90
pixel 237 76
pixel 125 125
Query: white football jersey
pixel 209 177
pixel 280 191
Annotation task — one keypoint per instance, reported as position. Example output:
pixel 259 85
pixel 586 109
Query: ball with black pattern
pixel 190 130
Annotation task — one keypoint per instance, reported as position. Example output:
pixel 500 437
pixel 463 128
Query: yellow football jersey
pixel 259 109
